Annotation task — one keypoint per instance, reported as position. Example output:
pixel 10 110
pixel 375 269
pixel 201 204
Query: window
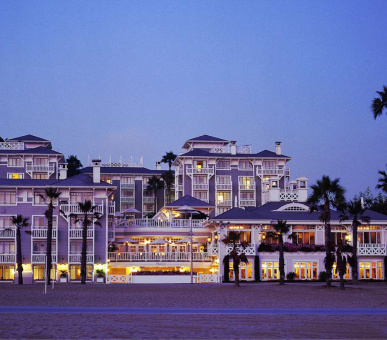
pixel 75 272
pixel 39 176
pixel 245 271
pixel 15 176
pixel 270 271
pixel 223 179
pixel 39 273
pixel 223 198
pixel 339 236
pixel 127 193
pixel 302 184
pixel 245 165
pixel 7 272
pixel 369 236
pixel 371 270
pixel 201 195
pixel 199 164
pixel 269 164
pixel 274 184
pixel 39 247
pixel 222 210
pixel 127 180
pixel 246 182
pixel 80 197
pixel 304 235
pixel 5 222
pixel 37 199
pixel 76 247
pixel 106 179
pixel 335 273
pixel 7 247
pixel 40 161
pixel 7 197
pixel 15 161
pixel 306 270
pixel 247 196
pixel 223 164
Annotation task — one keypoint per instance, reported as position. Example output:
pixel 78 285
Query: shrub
pixel 63 273
pixel 100 273
pixel 322 276
pixel 290 276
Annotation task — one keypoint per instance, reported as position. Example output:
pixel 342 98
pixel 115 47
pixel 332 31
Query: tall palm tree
pixel 169 158
pixel 234 239
pixel 378 104
pixel 154 185
pixel 19 222
pixel 89 216
pixel 327 194
pixel 281 228
pixel 354 210
pixel 382 181
pixel 50 196
pixel 341 263
pixel 168 179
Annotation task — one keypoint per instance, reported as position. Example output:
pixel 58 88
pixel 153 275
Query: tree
pixel 89 216
pixel 281 228
pixel 168 179
pixel 382 181
pixel 376 203
pixel 50 196
pixel 327 194
pixel 154 185
pixel 234 239
pixel 169 158
pixel 1 140
pixel 378 104
pixel 73 165
pixel 341 263
pixel 19 222
pixel 354 210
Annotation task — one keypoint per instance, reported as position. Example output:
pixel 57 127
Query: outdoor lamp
pixel 209 239
pixel 216 236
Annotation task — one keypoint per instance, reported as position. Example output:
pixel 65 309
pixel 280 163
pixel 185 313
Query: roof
pixel 124 170
pixel 28 138
pixel 204 153
pixel 40 150
pixel 204 138
pixel 190 201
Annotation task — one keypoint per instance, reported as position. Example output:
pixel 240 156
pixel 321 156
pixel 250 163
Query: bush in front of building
pixel 290 276
pixel 322 276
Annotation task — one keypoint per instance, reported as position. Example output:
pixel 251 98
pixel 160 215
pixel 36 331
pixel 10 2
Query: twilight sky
pixel 132 78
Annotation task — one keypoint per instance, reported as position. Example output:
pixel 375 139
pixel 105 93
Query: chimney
pixel 233 147
pixel 63 171
pixel 96 164
pixel 158 165
pixel 278 148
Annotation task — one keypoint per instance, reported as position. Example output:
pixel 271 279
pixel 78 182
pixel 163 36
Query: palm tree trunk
pixel 84 251
pixel 236 270
pixel 281 260
pixel 354 252
pixel 19 257
pixel 49 242
pixel 328 254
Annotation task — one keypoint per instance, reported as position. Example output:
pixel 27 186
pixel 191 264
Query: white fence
pixel 371 249
pixel 126 279
pixel 118 279
pixel 151 257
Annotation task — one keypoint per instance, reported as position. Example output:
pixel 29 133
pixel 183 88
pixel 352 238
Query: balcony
pixel 7 258
pixel 41 258
pixel 31 168
pixel 76 258
pixel 11 146
pixel 159 257
pixel 262 172
pixel 8 232
pixel 127 186
pixel 200 186
pixel 226 203
pixel 180 187
pixel 221 187
pixel 112 209
pixel 247 203
pixel 250 249
pixel 148 200
pixel 250 186
pixel 41 232
pixel 77 233
pixel 127 199
pixel 69 209
pixel 150 223
pixel 200 171
pixel 371 249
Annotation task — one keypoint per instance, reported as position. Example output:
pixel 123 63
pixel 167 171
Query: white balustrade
pixel 41 232
pixel 127 199
pixel 208 278
pixel 11 146
pixel 127 186
pixel 119 279
pixel 250 186
pixel 150 223
pixel 77 233
pixel 273 172
pixel 75 209
pixel 200 186
pixel 112 209
pixel 41 258
pixel 7 258
pixel 250 249
pixel 76 258
pixel 221 186
pixel 224 202
pixel 200 171
pixel 8 232
pixel 148 199
pixel 154 257
pixel 247 203
pixel 371 249
pixel 180 187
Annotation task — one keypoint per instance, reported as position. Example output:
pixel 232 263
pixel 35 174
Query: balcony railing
pixel 127 186
pixel 112 209
pixel 250 249
pixel 224 203
pixel 250 186
pixel 8 232
pixel 220 187
pixel 371 249
pixel 41 258
pixel 127 199
pixel 247 203
pixel 148 199
pixel 273 172
pixel 162 257
pixel 40 168
pixel 180 187
pixel 7 258
pixel 200 186
pixel 76 258
pixel 149 223
pixel 200 171
pixel 11 146
pixel 41 232
pixel 74 209
pixel 77 233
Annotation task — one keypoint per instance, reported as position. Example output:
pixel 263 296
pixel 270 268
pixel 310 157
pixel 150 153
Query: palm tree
pixel 234 239
pixel 281 229
pixel 154 185
pixel 50 196
pixel 327 194
pixel 382 181
pixel 378 104
pixel 169 158
pixel 168 179
pixel 19 222
pixel 341 263
pixel 354 210
pixel 89 216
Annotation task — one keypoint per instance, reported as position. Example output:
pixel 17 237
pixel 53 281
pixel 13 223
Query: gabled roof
pixel 28 138
pixel 204 138
pixel 235 214
pixel 40 150
pixel 191 202
pixel 204 153
pixel 124 170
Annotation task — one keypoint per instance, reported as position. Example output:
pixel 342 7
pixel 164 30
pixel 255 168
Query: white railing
pixel 200 171
pixel 244 149
pixel 119 279
pixel 224 202
pixel 247 203
pixel 11 146
pixel 127 186
pixel 77 233
pixel 41 232
pixel 163 257
pixel 76 258
pixel 7 258
pixel 273 171
pixel 371 249
pixel 120 164
pixel 112 209
pixel 223 186
pixel 200 186
pixel 40 168
pixel 127 199
pixel 41 258
pixel 8 232
pixel 149 223
pixel 250 249
pixel 180 187
pixel 286 195
pixel 213 250
pixel 208 278
pixel 74 209
pixel 148 199
pixel 250 186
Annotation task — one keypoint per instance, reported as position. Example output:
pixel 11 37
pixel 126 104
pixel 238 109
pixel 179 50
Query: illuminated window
pixel 304 235
pixel 15 176
pixel 245 271
pixel 306 270
pixel 39 273
pixel 369 236
pixel 7 272
pixel 223 198
pixel 270 271
pixel 335 273
pixel 75 272
pixel 371 270
pixel 106 179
